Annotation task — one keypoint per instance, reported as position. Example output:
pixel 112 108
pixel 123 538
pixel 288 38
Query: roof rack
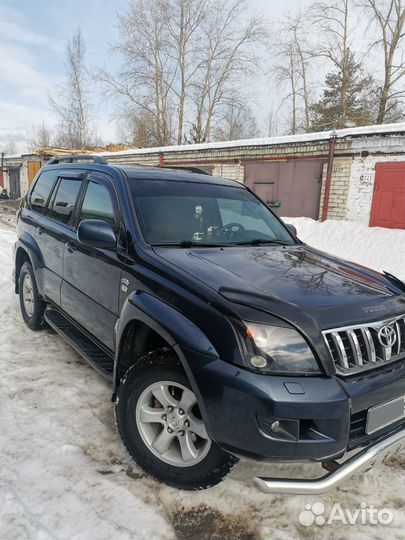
pixel 76 157
pixel 190 169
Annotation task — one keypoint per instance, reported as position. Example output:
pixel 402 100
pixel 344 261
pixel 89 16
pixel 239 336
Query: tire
pixel 192 461
pixel 31 304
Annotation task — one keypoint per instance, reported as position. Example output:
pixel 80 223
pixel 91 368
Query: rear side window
pixel 42 190
pixel 98 204
pixel 64 201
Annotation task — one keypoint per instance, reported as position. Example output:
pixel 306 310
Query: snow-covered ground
pixel 65 475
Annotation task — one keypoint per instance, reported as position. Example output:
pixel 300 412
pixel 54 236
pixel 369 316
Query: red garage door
pixel 388 206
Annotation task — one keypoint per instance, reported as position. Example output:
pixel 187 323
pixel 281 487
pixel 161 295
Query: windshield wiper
pixel 259 241
pixel 188 244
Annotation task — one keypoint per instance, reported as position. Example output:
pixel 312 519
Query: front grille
pixel 361 347
pixel 358 436
pixel 358 425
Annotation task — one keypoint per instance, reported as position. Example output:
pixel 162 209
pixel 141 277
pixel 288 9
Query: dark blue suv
pixel 223 335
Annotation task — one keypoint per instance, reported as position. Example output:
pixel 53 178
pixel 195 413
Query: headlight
pixel 274 349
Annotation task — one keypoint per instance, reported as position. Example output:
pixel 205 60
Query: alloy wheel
pixel 170 424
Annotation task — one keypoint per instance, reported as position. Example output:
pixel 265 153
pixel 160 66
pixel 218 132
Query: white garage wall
pixel 362 174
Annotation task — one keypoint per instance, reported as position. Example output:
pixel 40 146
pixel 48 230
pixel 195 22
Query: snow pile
pixel 375 247
pixel 64 472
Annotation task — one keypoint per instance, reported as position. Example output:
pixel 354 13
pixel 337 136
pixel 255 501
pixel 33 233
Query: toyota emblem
pixel 387 336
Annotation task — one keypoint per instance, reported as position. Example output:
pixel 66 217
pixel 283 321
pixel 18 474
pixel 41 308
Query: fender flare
pixel 28 244
pixel 176 329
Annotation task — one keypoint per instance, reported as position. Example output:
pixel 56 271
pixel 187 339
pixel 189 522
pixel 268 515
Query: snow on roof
pixel 384 129
pixel 19 156
pixel 12 156
pixel 365 131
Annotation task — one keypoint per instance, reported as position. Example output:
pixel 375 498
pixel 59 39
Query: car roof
pixel 138 172
pixel 175 175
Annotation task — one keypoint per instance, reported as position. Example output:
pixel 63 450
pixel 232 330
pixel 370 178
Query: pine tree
pixel 348 99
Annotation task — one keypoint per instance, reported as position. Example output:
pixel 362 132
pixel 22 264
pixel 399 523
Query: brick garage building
pixel 291 173
pixel 355 174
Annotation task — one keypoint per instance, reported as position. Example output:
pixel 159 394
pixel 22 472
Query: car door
pixel 91 276
pixel 56 208
pixel 31 217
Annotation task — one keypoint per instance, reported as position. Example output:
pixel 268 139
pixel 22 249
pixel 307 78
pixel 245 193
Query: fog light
pixel 258 361
pixel 275 426
pixel 287 430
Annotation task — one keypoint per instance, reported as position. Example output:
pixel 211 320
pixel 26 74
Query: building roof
pixel 397 129
pixel 365 131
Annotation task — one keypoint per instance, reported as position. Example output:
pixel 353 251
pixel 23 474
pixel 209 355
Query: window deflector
pixel 78 174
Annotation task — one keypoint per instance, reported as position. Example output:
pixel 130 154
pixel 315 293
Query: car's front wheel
pixel 160 423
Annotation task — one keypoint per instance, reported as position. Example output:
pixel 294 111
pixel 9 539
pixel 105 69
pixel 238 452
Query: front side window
pixel 42 190
pixel 64 201
pixel 98 204
pixel 171 212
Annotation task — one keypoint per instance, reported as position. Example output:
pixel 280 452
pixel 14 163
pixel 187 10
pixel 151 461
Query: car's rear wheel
pixel 31 304
pixel 160 423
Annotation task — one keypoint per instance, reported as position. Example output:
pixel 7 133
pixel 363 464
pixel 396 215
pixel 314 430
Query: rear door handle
pixel 40 230
pixel 71 247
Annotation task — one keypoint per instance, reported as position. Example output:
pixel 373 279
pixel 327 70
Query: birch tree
pixel 389 18
pixel 72 100
pixel 184 19
pixel 294 59
pixel 228 56
pixel 182 63
pixel 148 71
pixel 286 74
pixel 332 20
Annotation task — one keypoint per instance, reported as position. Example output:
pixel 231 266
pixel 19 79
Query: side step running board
pixel 96 356
pixel 360 463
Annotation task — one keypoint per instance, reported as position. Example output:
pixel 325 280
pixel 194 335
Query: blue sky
pixel 33 36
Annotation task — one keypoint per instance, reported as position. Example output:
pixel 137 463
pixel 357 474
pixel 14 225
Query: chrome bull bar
pixel 359 463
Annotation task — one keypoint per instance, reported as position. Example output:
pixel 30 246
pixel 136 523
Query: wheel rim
pixel 28 295
pixel 170 425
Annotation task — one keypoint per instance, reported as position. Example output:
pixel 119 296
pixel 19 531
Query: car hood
pixel 284 280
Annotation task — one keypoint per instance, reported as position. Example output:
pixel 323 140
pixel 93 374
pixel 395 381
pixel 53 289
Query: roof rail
pixel 190 169
pixel 76 157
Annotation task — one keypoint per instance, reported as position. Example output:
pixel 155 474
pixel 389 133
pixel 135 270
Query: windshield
pixel 188 213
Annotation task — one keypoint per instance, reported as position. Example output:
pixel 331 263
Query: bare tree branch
pixel 294 63
pixel 182 62
pixel 71 102
pixel 389 17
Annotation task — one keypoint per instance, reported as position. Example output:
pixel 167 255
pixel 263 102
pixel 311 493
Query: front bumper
pixel 315 414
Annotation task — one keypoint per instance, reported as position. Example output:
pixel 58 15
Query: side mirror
pixel 96 233
pixel 291 228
